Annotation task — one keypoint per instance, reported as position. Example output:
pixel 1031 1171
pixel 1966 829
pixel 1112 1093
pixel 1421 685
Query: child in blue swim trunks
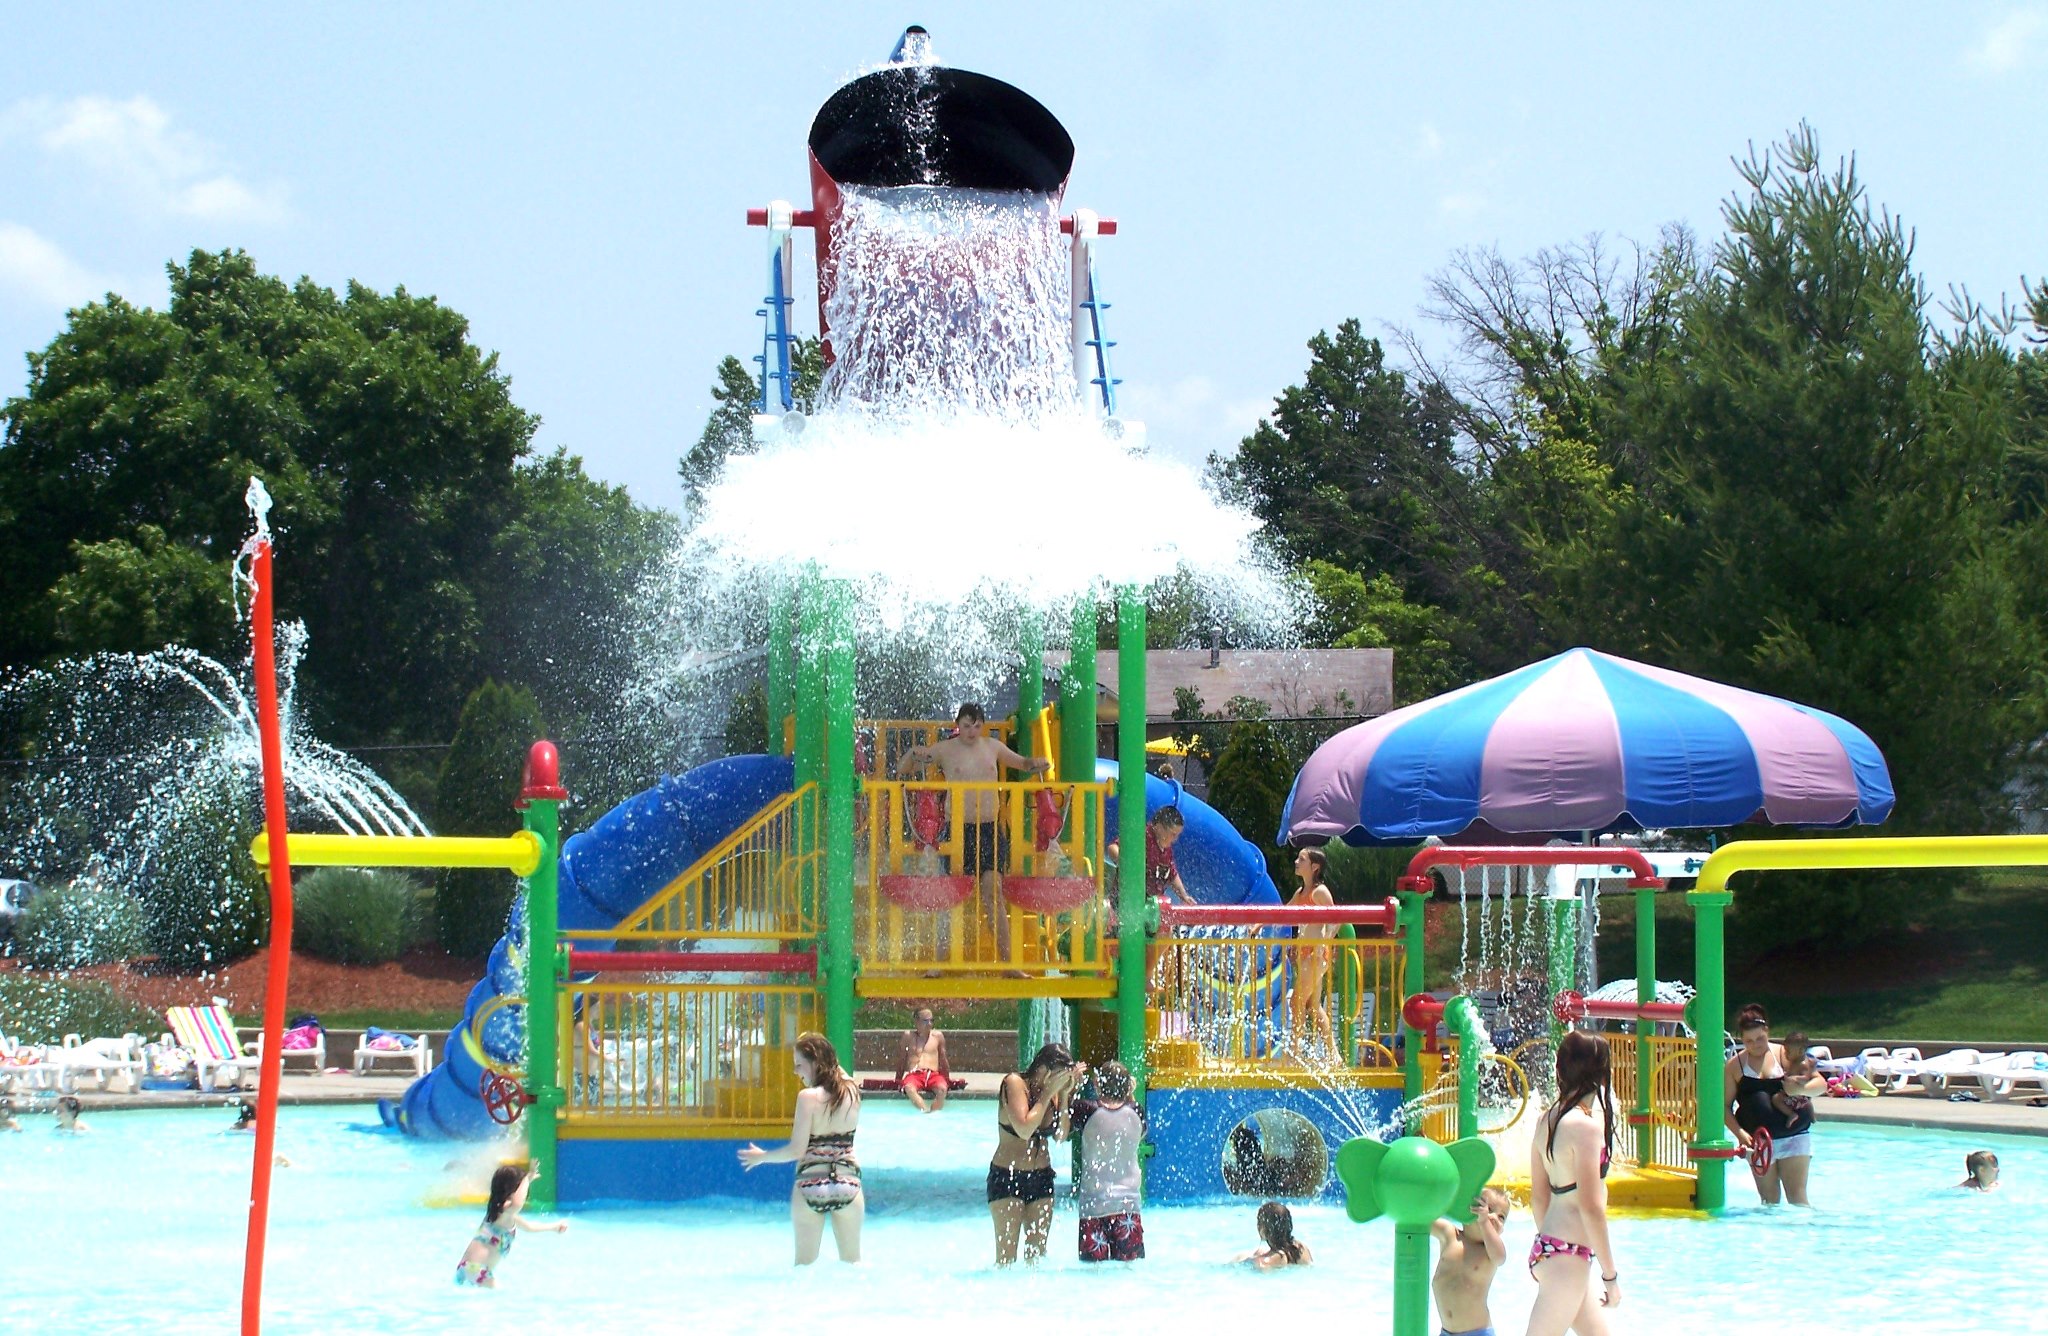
pixel 1465 1267
pixel 502 1220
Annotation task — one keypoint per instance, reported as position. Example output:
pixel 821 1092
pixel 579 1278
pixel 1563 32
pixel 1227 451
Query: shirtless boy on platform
pixel 1464 1269
pixel 921 1065
pixel 971 756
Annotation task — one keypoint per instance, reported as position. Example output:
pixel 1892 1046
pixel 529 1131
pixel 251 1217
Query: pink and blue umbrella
pixel 1587 741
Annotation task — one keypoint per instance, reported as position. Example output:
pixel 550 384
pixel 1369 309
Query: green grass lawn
pixel 1978 972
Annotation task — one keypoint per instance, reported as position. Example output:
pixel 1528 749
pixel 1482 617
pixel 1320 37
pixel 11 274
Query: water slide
pixel 607 872
pixel 1218 865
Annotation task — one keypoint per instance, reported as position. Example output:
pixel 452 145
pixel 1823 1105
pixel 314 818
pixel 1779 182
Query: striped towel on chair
pixel 206 1030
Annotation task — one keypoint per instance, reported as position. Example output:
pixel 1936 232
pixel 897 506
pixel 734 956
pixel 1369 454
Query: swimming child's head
pixel 245 1116
pixel 1982 1168
pixel 509 1183
pixel 1113 1081
pixel 1276 1230
pixel 68 1109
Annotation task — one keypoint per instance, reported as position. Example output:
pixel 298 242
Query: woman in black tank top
pixel 1753 1075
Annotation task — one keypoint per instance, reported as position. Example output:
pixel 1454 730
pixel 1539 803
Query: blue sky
pixel 574 178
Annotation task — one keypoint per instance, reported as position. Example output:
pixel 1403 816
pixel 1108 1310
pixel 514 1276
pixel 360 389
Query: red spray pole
pixel 278 973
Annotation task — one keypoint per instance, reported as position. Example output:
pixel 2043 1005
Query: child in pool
pixel 1277 1245
pixel 1465 1267
pixel 502 1221
pixel 245 1118
pixel 1981 1168
pixel 67 1115
pixel 1107 1177
pixel 8 1122
pixel 1799 1065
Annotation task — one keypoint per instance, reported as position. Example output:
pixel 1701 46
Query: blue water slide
pixel 606 872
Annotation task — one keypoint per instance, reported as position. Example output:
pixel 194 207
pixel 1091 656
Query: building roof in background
pixel 1342 683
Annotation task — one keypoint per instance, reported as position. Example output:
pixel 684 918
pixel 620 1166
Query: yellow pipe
pixel 1908 851
pixel 517 853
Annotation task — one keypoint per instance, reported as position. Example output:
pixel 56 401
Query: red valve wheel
pixel 502 1097
pixel 1568 1006
pixel 1760 1152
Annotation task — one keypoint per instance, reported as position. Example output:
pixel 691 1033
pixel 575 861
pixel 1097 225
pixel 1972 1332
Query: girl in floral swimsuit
pixel 1574 1142
pixel 502 1222
pixel 827 1186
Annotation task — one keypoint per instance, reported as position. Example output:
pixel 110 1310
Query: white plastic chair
pixel 417 1058
pixel 108 1060
pixel 1889 1069
pixel 1936 1072
pixel 1999 1077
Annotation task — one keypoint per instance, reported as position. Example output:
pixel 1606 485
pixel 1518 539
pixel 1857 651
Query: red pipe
pixel 695 962
pixel 1381 916
pixel 277 974
pixel 1417 879
pixel 1571 1006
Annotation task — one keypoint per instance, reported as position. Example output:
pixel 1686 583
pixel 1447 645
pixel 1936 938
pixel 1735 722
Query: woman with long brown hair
pixel 1569 1151
pixel 1308 1010
pixel 821 1142
pixel 1751 1078
pixel 1031 1106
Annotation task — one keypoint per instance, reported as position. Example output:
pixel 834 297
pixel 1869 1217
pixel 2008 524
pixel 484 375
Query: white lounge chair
pixel 316 1055
pixel 1934 1073
pixel 26 1068
pixel 115 1063
pixel 417 1058
pixel 1890 1069
pixel 1999 1077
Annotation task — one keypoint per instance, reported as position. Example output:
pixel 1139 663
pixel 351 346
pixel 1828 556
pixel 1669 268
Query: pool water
pixel 141 1221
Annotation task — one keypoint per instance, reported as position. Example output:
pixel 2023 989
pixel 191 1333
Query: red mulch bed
pixel 417 982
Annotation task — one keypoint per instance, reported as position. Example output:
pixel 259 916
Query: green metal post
pixel 1347 986
pixel 1414 972
pixel 1563 939
pixel 1030 1032
pixel 1411 1280
pixel 1077 699
pixel 1132 934
pixel 543 927
pixel 839 782
pixel 1646 992
pixel 1710 1011
pixel 1461 1018
pixel 779 687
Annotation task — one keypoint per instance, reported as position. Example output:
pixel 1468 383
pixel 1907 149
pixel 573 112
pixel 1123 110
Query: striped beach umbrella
pixel 1587 741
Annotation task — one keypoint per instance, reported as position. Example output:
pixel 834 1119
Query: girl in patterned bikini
pixel 1574 1142
pixel 828 1186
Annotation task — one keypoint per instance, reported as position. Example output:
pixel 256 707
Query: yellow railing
pixel 1674 1096
pixel 755 883
pixel 1506 1091
pixel 1227 1009
pixel 879 744
pixel 951 881
pixel 681 1059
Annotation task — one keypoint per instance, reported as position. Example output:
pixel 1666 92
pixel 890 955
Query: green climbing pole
pixel 1133 932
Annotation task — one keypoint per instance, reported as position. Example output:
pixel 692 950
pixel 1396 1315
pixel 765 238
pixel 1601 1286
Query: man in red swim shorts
pixel 921 1066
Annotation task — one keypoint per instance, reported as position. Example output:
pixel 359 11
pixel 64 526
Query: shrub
pixel 352 915
pixel 40 1009
pixel 207 903
pixel 479 781
pixel 85 922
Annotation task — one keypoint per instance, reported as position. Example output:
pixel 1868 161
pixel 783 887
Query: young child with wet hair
pixel 1107 1131
pixel 1799 1066
pixel 1465 1266
pixel 1980 1170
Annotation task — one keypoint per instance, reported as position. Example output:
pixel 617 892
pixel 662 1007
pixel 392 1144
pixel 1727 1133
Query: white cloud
pixel 133 146
pixel 1190 418
pixel 37 269
pixel 2016 40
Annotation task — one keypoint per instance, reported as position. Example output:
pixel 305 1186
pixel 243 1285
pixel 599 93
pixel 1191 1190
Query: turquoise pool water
pixel 141 1222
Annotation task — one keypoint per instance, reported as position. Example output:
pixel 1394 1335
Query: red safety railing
pixel 1644 877
pixel 1383 916
pixel 1569 1006
pixel 695 962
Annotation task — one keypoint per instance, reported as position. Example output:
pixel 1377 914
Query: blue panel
pixel 1685 762
pixel 1190 1128
pixel 1424 776
pixel 663 1171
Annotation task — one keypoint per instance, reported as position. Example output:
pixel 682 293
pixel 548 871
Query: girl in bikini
pixel 1020 1179
pixel 821 1142
pixel 1571 1147
pixel 502 1222
pixel 1306 1009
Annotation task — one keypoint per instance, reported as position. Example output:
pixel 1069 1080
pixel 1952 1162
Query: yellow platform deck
pixel 1630 1190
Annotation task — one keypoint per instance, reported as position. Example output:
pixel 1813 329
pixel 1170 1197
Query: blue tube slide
pixel 1218 865
pixel 607 872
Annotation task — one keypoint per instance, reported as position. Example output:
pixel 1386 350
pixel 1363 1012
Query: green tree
pixel 140 594
pixel 479 783
pixel 1356 613
pixel 1249 783
pixel 736 398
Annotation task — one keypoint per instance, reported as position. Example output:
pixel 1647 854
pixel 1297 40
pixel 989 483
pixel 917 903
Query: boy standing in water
pixel 971 756
pixel 921 1066
pixel 1466 1266
pixel 1106 1132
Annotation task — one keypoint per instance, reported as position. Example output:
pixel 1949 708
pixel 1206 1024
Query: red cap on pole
pixel 543 774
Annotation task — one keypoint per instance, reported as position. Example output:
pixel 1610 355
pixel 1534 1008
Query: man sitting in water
pixel 971 756
pixel 1466 1266
pixel 921 1066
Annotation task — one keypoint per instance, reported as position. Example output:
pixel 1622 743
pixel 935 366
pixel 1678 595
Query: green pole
pixel 541 815
pixel 1132 934
pixel 1347 996
pixel 1563 937
pixel 839 784
pixel 1462 1019
pixel 1077 699
pixel 1710 1010
pixel 1411 1280
pixel 1030 683
pixel 808 745
pixel 1414 971
pixel 779 688
pixel 1030 1032
pixel 1646 992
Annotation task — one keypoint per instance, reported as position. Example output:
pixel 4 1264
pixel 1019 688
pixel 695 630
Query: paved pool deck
pixel 2009 1117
